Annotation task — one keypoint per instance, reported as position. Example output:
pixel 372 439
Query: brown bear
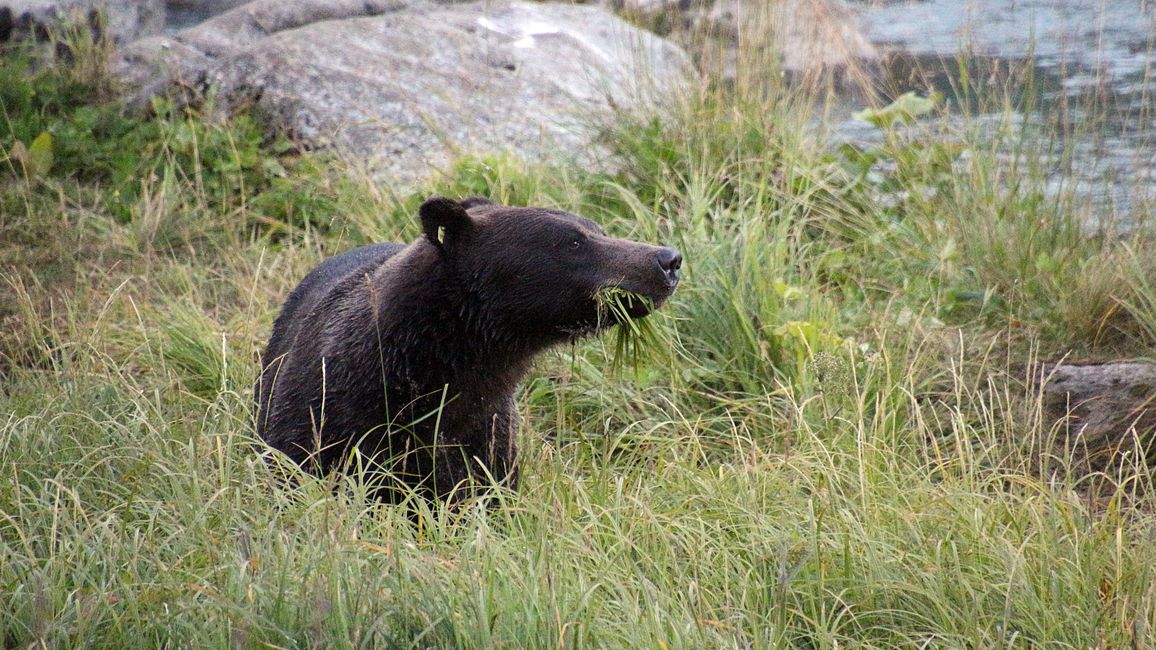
pixel 412 354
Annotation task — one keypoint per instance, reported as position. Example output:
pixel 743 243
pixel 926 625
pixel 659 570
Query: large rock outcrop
pixel 408 85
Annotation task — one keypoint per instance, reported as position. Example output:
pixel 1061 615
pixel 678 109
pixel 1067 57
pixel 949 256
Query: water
pixel 1082 70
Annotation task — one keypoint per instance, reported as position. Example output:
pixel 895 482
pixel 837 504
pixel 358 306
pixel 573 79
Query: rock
pixel 821 35
pixel 1106 408
pixel 409 86
pixel 124 20
pixel 810 37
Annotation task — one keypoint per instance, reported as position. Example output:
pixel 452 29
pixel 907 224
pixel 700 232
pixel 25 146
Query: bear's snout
pixel 651 272
pixel 670 260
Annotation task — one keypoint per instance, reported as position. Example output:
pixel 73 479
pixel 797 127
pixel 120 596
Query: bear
pixel 412 354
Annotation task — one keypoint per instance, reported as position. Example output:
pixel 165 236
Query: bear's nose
pixel 671 261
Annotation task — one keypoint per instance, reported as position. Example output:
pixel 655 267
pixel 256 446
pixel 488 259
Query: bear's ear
pixel 444 221
pixel 475 201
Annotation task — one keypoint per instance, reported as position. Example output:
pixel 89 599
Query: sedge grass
pixel 634 338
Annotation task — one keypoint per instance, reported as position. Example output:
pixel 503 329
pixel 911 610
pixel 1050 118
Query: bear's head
pixel 541 273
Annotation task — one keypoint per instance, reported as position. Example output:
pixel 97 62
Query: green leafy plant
pixel 905 109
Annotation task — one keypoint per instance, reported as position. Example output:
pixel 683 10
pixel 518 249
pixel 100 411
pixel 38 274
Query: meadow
pixel 828 439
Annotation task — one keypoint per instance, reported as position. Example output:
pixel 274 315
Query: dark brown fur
pixel 412 353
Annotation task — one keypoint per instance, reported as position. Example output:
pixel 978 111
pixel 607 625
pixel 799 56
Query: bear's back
pixel 318 284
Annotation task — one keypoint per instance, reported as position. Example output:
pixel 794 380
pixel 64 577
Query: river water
pixel 1081 70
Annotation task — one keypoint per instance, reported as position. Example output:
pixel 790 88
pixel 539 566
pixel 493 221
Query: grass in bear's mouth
pixel 636 338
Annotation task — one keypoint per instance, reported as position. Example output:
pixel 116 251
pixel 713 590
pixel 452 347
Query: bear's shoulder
pixel 326 283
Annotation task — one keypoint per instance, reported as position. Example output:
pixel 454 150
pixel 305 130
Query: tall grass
pixel 833 446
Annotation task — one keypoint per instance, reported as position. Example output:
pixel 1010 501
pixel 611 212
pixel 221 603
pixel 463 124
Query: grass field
pixel 826 442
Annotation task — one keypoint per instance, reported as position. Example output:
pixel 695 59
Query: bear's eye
pixel 575 244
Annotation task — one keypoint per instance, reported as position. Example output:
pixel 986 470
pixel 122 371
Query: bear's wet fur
pixel 412 354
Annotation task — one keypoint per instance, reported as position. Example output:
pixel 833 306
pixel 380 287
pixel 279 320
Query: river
pixel 1080 70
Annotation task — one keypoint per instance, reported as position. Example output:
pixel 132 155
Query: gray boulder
pixel 407 86
pixel 1108 410
pixel 124 20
